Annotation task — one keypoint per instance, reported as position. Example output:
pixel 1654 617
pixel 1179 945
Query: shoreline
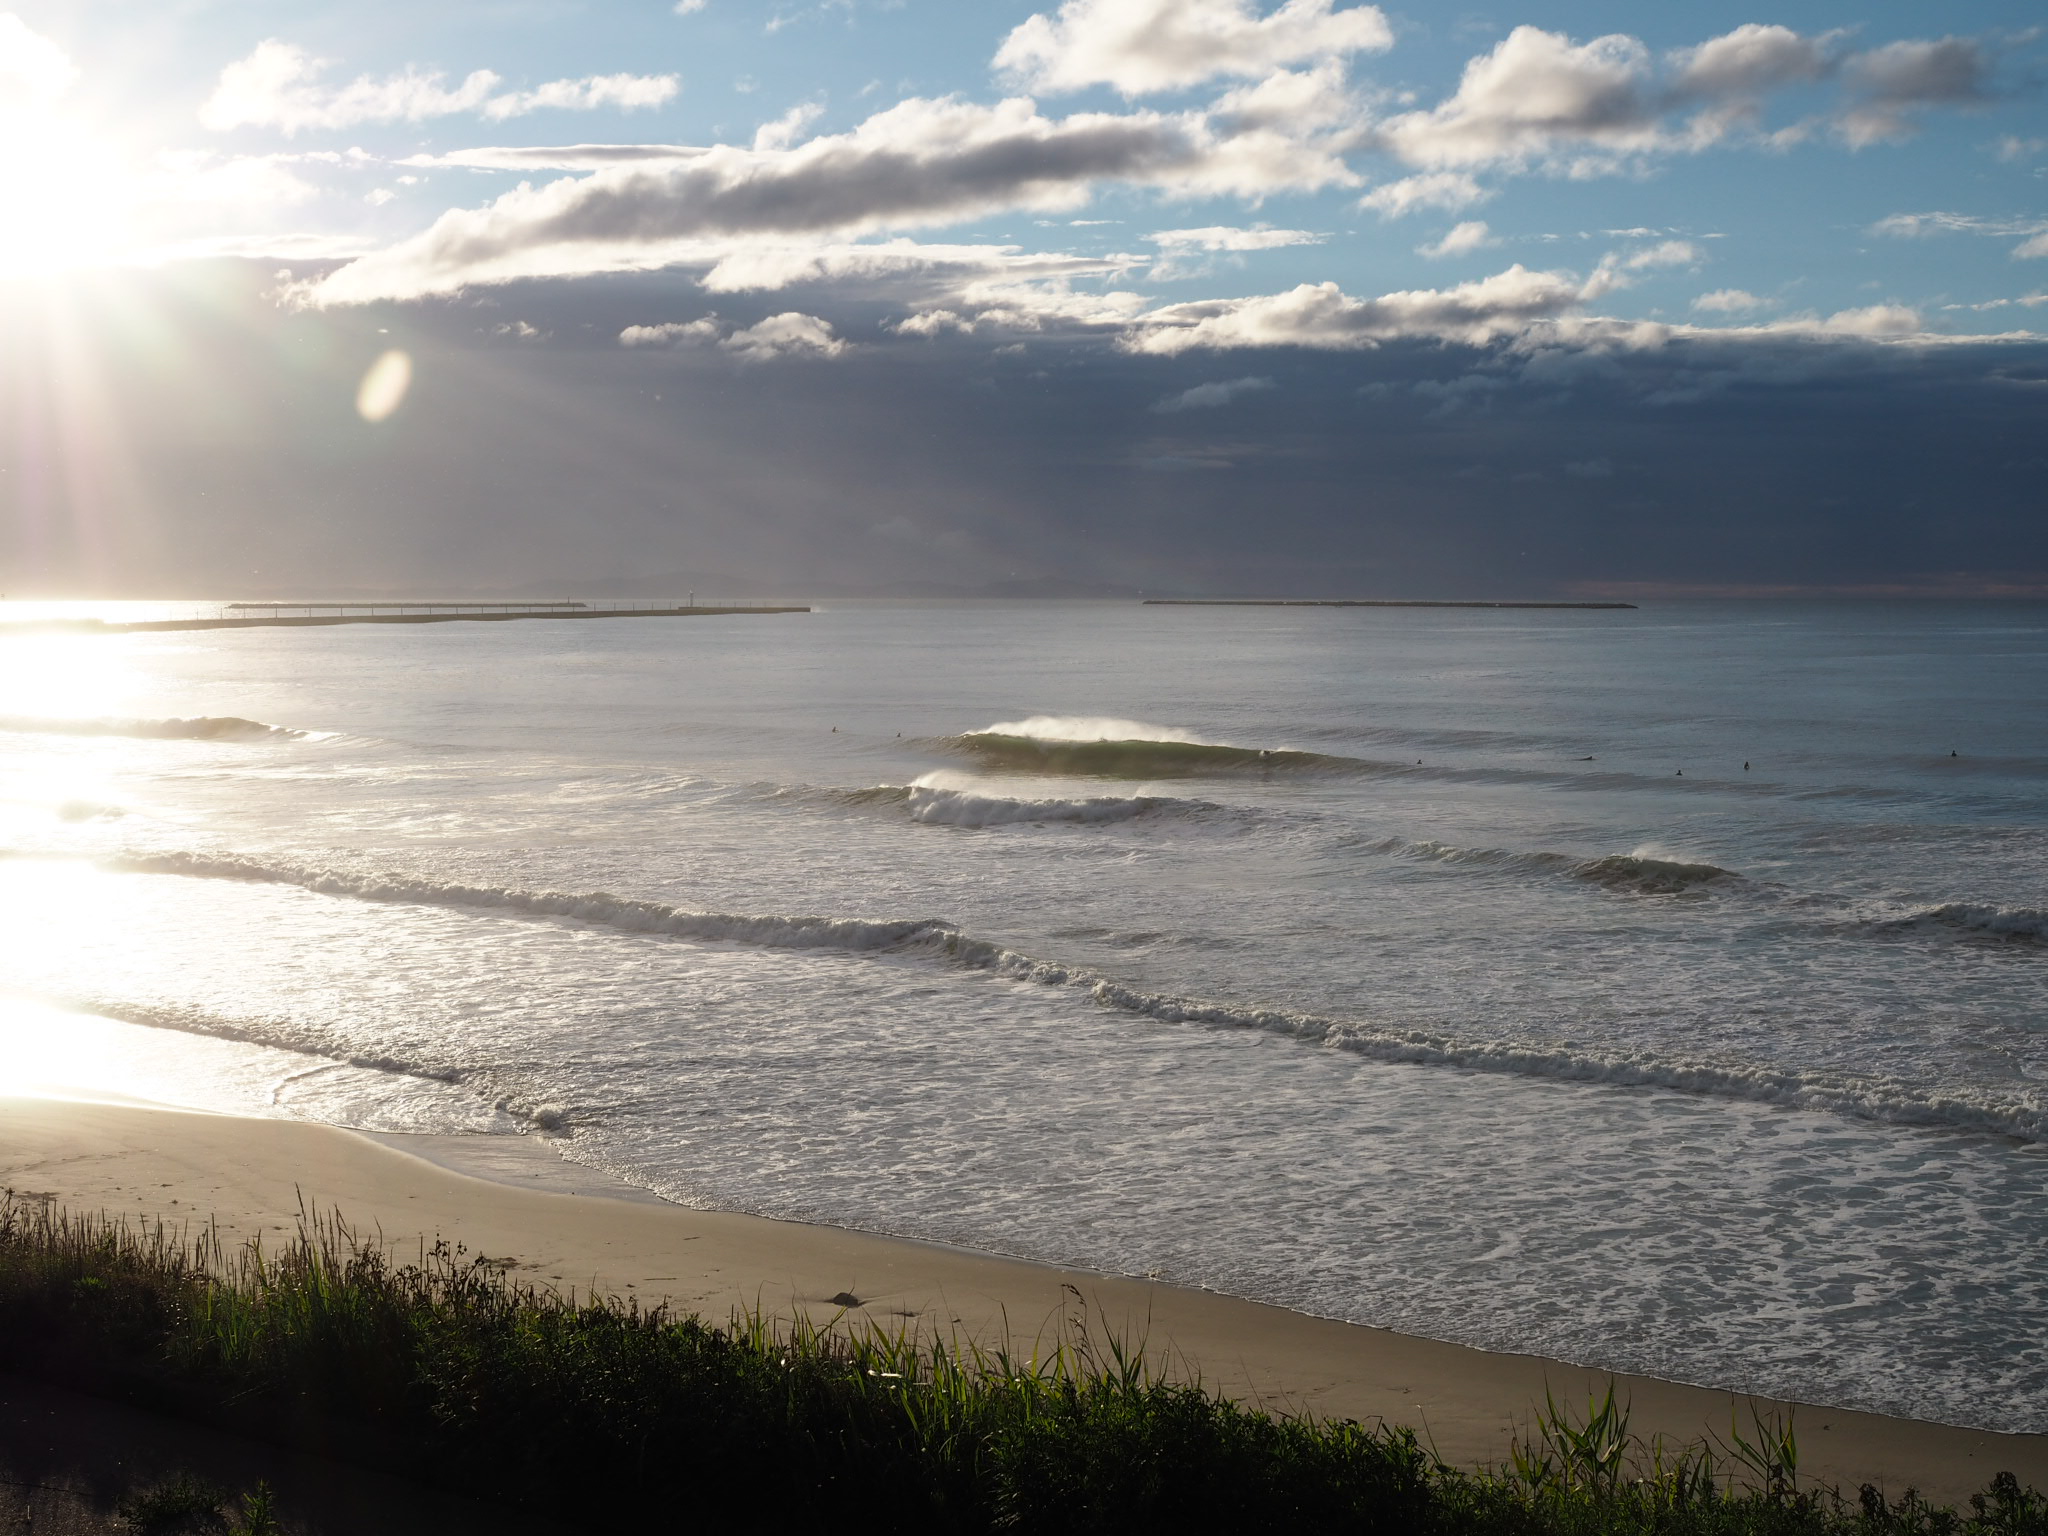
pixel 575 1229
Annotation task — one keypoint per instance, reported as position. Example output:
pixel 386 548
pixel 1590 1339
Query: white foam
pixel 1089 728
pixel 1865 1097
pixel 949 800
pixel 626 914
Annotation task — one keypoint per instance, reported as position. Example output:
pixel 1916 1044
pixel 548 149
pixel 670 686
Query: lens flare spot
pixel 383 388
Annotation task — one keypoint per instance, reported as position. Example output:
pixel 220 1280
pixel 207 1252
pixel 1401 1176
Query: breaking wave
pixel 1133 757
pixel 1971 919
pixel 1653 876
pixel 89 810
pixel 951 806
pixel 199 728
pixel 626 914
pixel 1090 728
pixel 943 800
pixel 1871 1097
pixel 310 1040
pixel 1131 749
pixel 1109 748
pixel 1643 871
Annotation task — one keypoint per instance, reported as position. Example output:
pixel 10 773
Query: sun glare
pixel 64 188
pixel 67 677
pixel 53 1053
pixel 64 198
pixel 384 386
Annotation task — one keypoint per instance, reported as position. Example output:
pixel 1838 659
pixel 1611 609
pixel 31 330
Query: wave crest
pixel 1640 871
pixel 1975 919
pixel 198 728
pixel 944 800
pixel 1089 728
pixel 944 805
pixel 1861 1097
pixel 627 914
pixel 1650 875
pixel 1132 757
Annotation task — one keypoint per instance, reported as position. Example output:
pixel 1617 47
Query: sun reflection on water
pixel 49 1053
pixel 67 677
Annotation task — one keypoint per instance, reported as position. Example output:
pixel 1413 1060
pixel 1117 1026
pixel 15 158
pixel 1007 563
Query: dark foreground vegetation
pixel 611 1418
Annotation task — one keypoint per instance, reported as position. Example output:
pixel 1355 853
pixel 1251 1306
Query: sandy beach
pixel 558 1225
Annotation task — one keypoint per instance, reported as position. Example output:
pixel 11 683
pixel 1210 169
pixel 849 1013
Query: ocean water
pixel 1653 990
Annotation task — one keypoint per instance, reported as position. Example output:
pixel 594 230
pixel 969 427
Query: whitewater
pixel 1658 990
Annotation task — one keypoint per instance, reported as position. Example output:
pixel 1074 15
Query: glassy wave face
pixel 1653 990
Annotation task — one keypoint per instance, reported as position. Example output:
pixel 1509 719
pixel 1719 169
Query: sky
pixel 1198 297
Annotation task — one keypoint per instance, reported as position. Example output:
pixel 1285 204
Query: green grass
pixel 185 1503
pixel 608 1417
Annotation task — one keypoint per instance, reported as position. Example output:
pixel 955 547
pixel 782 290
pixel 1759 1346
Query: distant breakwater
pixel 280 615
pixel 1354 602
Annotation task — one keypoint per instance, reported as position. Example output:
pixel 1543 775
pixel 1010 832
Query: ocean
pixel 1661 990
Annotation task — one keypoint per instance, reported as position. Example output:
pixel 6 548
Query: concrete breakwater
pixel 308 615
pixel 1355 602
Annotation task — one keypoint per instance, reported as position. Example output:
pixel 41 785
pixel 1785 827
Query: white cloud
pixel 1321 315
pixel 279 86
pixel 1728 301
pixel 275 86
pixel 672 333
pixel 1000 305
pixel 920 163
pixel 1749 61
pixel 1458 240
pixel 1209 396
pixel 225 183
pixel 790 334
pixel 1536 323
pixel 1537 94
pixel 1295 101
pixel 934 322
pixel 688 7
pixel 2011 147
pixel 557 157
pixel 1224 237
pixel 34 71
pixel 1448 190
pixel 1669 253
pixel 789 128
pixel 1139 46
pixel 627 93
pixel 785 335
pixel 1540 99
pixel 1889 85
pixel 1875 320
pixel 2029 301
pixel 1913 226
pixel 896 264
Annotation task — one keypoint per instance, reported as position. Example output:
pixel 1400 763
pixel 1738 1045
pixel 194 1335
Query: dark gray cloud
pixel 230 457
